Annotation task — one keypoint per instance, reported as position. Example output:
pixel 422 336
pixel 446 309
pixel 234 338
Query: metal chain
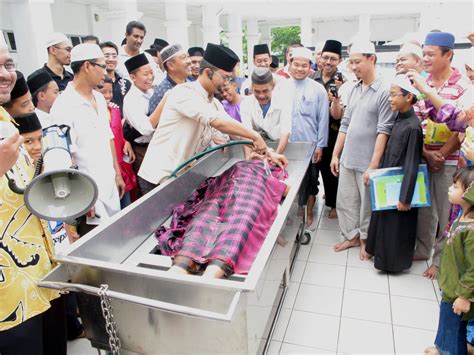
pixel 108 314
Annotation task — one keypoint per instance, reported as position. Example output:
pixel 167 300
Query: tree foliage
pixel 282 37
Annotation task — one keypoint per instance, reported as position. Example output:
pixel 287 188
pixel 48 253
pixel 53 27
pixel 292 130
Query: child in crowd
pixel 123 149
pixel 231 100
pixel 456 270
pixel 392 233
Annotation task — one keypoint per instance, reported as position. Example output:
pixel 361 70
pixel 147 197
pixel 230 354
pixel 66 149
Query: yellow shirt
pixel 26 248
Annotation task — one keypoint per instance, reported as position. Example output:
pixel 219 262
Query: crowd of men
pixel 135 115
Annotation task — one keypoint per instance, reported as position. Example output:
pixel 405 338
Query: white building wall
pixel 71 18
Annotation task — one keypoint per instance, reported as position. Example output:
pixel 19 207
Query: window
pixel 10 40
pixel 75 39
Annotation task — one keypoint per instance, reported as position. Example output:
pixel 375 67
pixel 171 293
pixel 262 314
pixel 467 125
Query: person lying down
pixel 219 230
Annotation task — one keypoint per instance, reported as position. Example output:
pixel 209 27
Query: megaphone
pixel 60 192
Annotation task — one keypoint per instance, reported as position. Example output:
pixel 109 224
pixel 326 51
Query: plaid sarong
pixel 226 218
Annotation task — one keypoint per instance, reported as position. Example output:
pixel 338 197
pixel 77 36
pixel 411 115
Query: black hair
pixel 466 177
pixel 134 24
pixel 206 65
pixel 405 93
pixel 34 95
pixel 108 44
pixel 445 50
pixel 108 80
pixel 76 66
pixel 368 55
pixel 90 38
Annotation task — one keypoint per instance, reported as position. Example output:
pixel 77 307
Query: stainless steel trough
pixel 158 312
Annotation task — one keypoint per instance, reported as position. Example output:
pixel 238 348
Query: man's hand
pixel 120 184
pixel 434 159
pixel 403 207
pixel 278 159
pixel 470 37
pixel 128 150
pixel 418 81
pixel 91 213
pixel 9 151
pixel 334 166
pixel 217 139
pixel 259 144
pixel 318 154
pixel 366 177
pixel 461 305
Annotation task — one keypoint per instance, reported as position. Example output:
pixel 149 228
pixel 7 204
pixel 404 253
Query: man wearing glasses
pixel 190 117
pixel 121 85
pixel 85 111
pixel 59 54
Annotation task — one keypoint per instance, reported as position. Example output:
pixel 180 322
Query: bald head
pixel 7 74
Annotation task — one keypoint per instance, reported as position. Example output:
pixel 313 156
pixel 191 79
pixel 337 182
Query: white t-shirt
pixel 44 118
pixel 277 120
pixel 135 111
pixel 90 137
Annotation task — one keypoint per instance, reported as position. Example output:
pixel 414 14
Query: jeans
pixel 451 336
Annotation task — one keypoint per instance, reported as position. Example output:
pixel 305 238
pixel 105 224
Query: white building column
pixel 234 22
pixel 177 23
pixel 210 23
pixel 306 31
pixel 364 27
pixel 266 32
pixel 252 39
pixel 31 32
pixel 116 18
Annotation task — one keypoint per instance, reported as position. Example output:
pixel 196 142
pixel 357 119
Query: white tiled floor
pixel 337 304
pixel 340 305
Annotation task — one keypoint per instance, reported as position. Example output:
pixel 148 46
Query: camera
pixel 338 76
pixel 333 90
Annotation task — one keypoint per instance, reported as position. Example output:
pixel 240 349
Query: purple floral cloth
pixel 226 218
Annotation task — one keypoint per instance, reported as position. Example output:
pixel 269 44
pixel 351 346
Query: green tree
pixel 282 37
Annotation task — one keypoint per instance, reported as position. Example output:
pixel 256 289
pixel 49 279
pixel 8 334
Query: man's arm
pixel 156 114
pixel 341 139
pixel 118 175
pixel 234 128
pixel 283 143
pixel 451 145
pixel 380 144
pixel 137 117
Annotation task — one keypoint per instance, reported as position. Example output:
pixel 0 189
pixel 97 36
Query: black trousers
pixel 145 186
pixel 309 185
pixel 43 334
pixel 329 180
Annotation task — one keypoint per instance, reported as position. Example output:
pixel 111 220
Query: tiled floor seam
pixel 342 305
pixel 391 316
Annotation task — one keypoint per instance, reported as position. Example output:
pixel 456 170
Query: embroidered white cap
pixel 410 48
pixel 86 51
pixel 403 82
pixel 301 52
pixel 363 47
pixel 56 38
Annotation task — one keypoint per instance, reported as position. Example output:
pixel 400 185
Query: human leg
pixel 451 337
pixel 24 339
pixel 348 206
pixel 365 214
pixel 427 226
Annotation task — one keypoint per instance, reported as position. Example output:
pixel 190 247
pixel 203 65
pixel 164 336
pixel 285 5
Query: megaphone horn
pixel 59 192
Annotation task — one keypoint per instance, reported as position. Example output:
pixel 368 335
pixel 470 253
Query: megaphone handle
pixel 65 129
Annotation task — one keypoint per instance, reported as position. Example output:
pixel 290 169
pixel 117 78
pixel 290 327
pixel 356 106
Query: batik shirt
pixel 26 249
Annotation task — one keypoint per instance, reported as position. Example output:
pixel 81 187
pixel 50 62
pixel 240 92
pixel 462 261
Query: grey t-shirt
pixel 367 114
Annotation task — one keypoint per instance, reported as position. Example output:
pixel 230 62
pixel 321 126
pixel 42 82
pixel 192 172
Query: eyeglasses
pixel 331 59
pixel 103 66
pixel 9 66
pixel 225 78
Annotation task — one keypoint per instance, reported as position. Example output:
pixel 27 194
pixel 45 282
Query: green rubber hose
pixel 199 155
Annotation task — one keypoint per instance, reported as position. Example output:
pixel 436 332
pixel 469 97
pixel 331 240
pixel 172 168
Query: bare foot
pixel 431 272
pixel 214 271
pixel 355 242
pixel 431 351
pixel 309 220
pixel 178 270
pixel 282 241
pixel 332 214
pixel 363 255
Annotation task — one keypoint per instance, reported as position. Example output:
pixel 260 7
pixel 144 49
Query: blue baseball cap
pixel 444 39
